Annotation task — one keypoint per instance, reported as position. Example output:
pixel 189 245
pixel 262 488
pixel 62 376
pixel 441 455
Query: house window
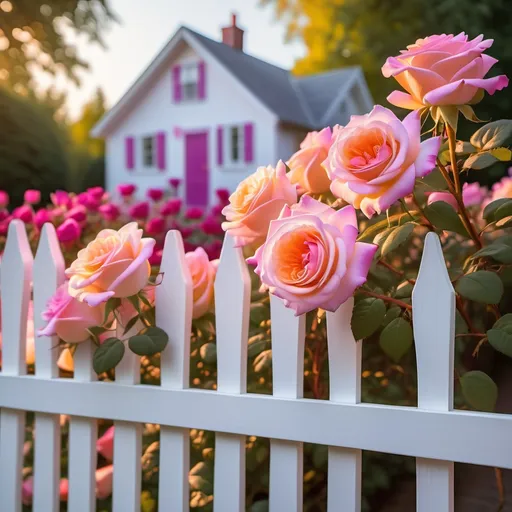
pixel 235 144
pixel 189 81
pixel 148 151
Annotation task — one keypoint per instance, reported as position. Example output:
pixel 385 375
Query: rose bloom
pixel 443 70
pixel 69 231
pixel 104 481
pixel 69 318
pixel 311 258
pixel 155 194
pixel 203 272
pixel 140 210
pixel 375 159
pixel 115 264
pixel 171 207
pixel 306 169
pixel 41 217
pixel 78 213
pixel 257 200
pixel 126 189
pixel 27 490
pixel 105 444
pixel 472 195
pixel 503 189
pixel 32 196
pixel 110 212
pixel 24 213
pixel 4 199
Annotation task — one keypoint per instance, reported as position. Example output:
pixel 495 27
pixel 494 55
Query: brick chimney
pixel 233 35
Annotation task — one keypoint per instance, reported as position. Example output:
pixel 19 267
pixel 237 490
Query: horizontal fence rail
pixel 433 432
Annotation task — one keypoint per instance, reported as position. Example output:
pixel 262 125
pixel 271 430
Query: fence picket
pixel 127 440
pixel 434 325
pixel 16 277
pixel 48 275
pixel 344 464
pixel 174 315
pixel 232 308
pixel 83 434
pixel 286 457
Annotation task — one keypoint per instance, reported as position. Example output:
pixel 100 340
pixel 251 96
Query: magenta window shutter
pixel 176 84
pixel 160 150
pixel 220 148
pixel 249 142
pixel 129 147
pixel 201 86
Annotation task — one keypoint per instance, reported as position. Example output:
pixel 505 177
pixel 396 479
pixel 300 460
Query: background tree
pixel 31 37
pixel 340 33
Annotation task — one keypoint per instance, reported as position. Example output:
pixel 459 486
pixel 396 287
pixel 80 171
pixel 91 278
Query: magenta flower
pixel 155 194
pixel 89 201
pixel 24 213
pixel 78 213
pixel 472 194
pixel 175 183
pixel 171 207
pixel 194 213
pixel 4 199
pixel 223 195
pixel 4 225
pixel 217 210
pixel 4 214
pixel 69 231
pixel 155 260
pixel 110 212
pixel 155 226
pixel 126 189
pixel 213 249
pixel 41 217
pixel 32 196
pixel 105 444
pixel 212 226
pixel 140 210
pixel 185 231
pixel 60 198
pixel 96 192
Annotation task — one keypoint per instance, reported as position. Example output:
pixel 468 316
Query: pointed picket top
pixel 48 276
pixel 16 282
pixel 232 310
pixel 173 299
pixel 433 301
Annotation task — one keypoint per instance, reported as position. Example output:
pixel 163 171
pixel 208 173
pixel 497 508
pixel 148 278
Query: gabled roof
pixel 301 101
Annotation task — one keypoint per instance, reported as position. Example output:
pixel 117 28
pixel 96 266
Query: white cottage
pixel 208 113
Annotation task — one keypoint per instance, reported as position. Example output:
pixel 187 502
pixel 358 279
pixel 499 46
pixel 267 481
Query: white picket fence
pixel 433 432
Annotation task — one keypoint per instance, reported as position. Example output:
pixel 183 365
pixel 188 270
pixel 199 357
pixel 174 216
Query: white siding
pixel 227 102
pixel 288 141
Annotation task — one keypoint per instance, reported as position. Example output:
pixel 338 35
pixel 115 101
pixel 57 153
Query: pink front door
pixel 196 168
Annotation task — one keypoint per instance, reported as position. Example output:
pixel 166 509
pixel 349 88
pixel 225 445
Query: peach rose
pixel 115 264
pixel 104 482
pixel 375 159
pixel 105 444
pixel 305 165
pixel 311 258
pixel 69 318
pixel 257 200
pixel 443 70
pixel 203 272
pixel 65 361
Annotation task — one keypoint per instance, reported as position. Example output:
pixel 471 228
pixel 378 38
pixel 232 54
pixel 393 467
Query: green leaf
pixel 498 251
pixel 381 237
pixel 396 338
pixel 501 340
pixel 110 306
pixel 490 209
pixel 444 217
pixel 503 210
pixel 260 506
pixel 134 301
pixel 403 290
pixel 371 231
pixel 450 114
pixel 464 148
pixel 493 135
pixel 502 154
pixel 262 361
pixel 256 345
pixel 397 237
pixel 367 317
pixel 149 342
pixel 392 313
pixel 145 300
pixel 131 323
pixel 208 353
pixel 479 391
pixel 482 286
pixel 433 180
pixel 108 355
pixel 198 483
pixel 480 161
pixel 504 322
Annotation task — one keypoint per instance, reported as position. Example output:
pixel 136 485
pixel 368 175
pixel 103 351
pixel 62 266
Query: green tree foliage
pixel 341 33
pixel 31 37
pixel 32 148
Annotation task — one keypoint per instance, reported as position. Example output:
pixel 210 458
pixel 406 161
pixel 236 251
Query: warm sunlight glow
pixel 6 6
pixel 4 43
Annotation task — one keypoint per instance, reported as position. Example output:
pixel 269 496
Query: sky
pixel 147 25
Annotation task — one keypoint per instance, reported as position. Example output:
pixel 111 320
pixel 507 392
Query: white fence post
pixel 16 278
pixel 174 315
pixel 48 275
pixel 344 471
pixel 286 457
pixel 433 302
pixel 232 310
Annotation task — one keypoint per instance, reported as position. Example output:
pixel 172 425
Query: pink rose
pixel 140 210
pixel 306 169
pixel 472 194
pixel 375 159
pixel 96 193
pixel 24 213
pixel 88 200
pixel 171 207
pixel 257 200
pixel 311 258
pixel 104 479
pixel 126 189
pixel 202 271
pixel 155 226
pixel 212 226
pixel 115 264
pixel 69 231
pixel 222 195
pixel 27 490
pixel 194 213
pixel 41 217
pixel 4 199
pixel 60 198
pixel 110 212
pixel 155 260
pixel 105 444
pixel 503 189
pixel 78 213
pixel 155 194
pixel 443 70
pixel 32 196
pixel 68 318
pixel 175 183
